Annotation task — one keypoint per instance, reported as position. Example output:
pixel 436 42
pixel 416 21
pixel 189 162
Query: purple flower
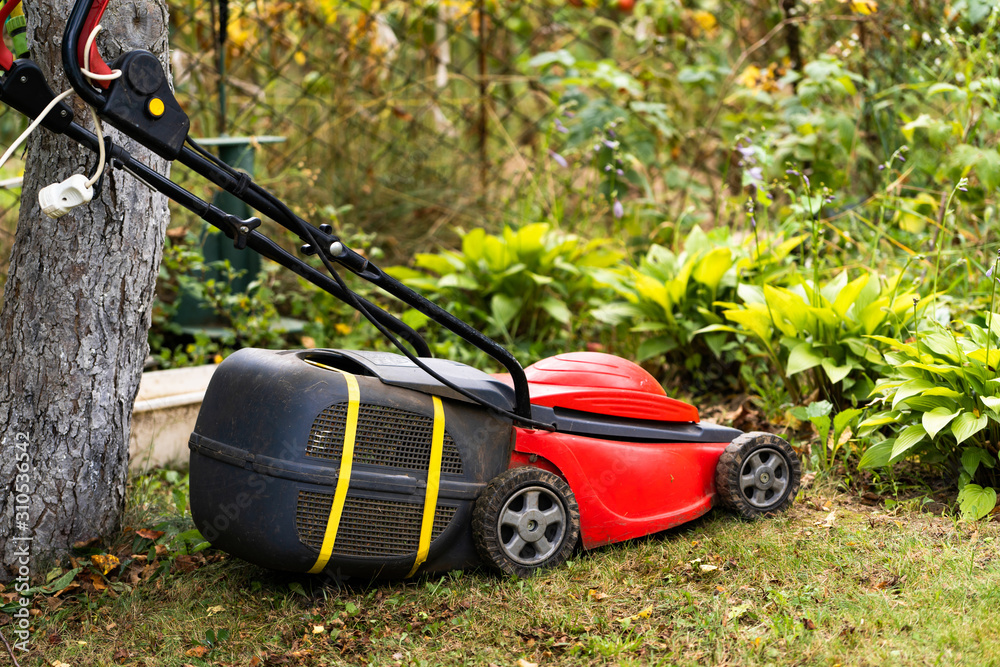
pixel 558 159
pixel 607 167
pixel 746 150
pixel 560 127
pixel 990 272
pixel 619 172
pixel 618 209
pixel 611 144
pixel 755 174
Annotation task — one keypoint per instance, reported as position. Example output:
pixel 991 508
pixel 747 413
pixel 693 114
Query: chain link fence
pixel 406 117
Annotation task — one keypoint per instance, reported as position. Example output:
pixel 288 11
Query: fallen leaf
pixel 98 582
pixel 106 562
pixel 318 629
pixel 645 613
pixel 521 662
pixel 215 610
pixel 708 567
pixel 196 652
pixel 150 534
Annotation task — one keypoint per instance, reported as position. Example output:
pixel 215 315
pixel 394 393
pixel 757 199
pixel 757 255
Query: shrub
pixel 531 288
pixel 941 407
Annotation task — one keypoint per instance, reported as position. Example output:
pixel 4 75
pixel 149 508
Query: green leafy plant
pixel 531 287
pixel 941 407
pixel 670 297
pixel 823 333
pixel 819 414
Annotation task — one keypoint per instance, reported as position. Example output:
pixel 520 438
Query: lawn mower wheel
pixel 758 475
pixel 525 520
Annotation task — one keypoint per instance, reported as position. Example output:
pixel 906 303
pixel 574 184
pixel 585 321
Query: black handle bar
pixel 167 138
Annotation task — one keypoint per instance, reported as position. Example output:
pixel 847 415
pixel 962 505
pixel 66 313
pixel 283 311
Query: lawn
pixel 839 579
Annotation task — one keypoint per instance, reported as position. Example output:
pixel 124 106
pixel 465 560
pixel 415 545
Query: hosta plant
pixel 670 296
pixel 941 407
pixel 530 287
pixel 821 336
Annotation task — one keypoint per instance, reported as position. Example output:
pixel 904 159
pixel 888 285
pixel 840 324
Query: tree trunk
pixel 75 318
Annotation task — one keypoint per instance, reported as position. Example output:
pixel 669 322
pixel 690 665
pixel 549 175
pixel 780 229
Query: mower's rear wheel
pixel 758 475
pixel 526 519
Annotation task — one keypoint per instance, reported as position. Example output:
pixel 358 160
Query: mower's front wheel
pixel 758 475
pixel 526 519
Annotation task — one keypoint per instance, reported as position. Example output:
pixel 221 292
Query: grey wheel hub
pixel 532 525
pixel 764 477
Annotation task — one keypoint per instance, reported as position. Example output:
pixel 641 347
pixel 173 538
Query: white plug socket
pixel 59 199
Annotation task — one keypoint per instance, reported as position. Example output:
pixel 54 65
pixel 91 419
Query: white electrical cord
pixel 31 128
pixel 86 60
pixel 97 122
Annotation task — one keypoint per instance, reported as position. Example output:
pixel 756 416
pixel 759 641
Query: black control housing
pixel 142 86
pixel 25 89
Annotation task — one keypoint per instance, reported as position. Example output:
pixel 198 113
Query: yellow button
pixel 155 107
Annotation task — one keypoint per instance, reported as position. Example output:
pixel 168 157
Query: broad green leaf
pixel 750 294
pixel 715 327
pixel 539 279
pixel 942 344
pixel 653 347
pixel 944 392
pixel 967 425
pixel 527 240
pixel 877 456
pixel 896 345
pixel 925 403
pixel 991 401
pixel 834 372
pixel 833 287
pixel 846 297
pixel 907 438
pixel 756 320
pixel 802 357
pixel 911 388
pixel 439 264
pixel 980 356
pixel 976 502
pixel 880 419
pixel 943 370
pixel 937 419
pixel 505 308
pixel 616 313
pixel 972 457
pixel 557 309
pixel 842 419
pixel 653 290
pixel 790 311
pixel 458 281
pixel 712 267
pixel 473 244
pixel 825 315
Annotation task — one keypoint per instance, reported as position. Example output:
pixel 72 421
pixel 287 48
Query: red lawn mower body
pixel 624 489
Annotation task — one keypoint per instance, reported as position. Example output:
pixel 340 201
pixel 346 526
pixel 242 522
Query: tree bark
pixel 74 323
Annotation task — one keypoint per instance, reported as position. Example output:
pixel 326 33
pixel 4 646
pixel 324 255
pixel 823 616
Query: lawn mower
pixel 373 464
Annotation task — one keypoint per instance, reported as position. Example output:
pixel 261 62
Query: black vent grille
pixel 385 437
pixel 369 527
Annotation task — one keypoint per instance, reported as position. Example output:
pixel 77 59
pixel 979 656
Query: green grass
pixel 865 587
